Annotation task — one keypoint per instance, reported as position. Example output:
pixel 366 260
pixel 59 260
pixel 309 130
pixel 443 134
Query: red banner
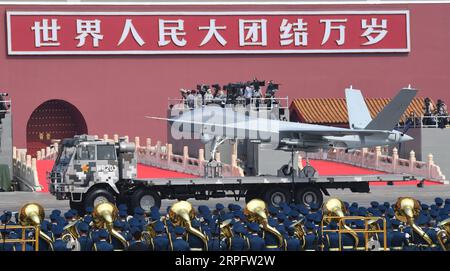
pixel 95 33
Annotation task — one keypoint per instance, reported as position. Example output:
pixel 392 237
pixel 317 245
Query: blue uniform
pixel 180 245
pixel 256 243
pixel 214 244
pixel 86 243
pixel 102 245
pixel 293 244
pixel 161 243
pixel 60 245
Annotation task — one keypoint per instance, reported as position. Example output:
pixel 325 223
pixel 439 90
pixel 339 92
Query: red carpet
pixel 332 168
pixel 44 166
pixel 324 168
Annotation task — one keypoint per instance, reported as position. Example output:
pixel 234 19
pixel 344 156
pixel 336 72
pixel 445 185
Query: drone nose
pixel 405 137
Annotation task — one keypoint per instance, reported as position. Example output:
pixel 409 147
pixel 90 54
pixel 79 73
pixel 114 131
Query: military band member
pixel 85 241
pixel 137 244
pixel 179 244
pixel 102 244
pixel 59 244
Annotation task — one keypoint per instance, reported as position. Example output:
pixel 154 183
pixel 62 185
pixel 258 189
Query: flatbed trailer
pixel 274 190
pixel 89 171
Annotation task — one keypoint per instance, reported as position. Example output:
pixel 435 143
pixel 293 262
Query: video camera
pixel 258 84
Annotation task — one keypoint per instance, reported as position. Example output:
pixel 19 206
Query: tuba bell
pixel 32 214
pixel 443 235
pixel 406 210
pixel 104 215
pixel 335 207
pixel 181 214
pixel 256 211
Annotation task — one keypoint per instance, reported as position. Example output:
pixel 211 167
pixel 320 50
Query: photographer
pixel 190 99
pixel 248 93
pixel 441 113
pixel 272 88
pixel 427 115
pixel 208 98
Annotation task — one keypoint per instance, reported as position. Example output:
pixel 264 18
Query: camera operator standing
pixel 248 93
pixel 441 113
pixel 190 99
pixel 428 120
pixel 272 88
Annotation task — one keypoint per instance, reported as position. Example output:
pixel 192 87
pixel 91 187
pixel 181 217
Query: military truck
pixel 89 171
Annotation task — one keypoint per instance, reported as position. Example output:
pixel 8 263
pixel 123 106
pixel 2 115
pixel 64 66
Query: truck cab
pixel 88 171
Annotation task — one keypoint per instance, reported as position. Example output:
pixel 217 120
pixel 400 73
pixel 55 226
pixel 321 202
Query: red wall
pixel 114 93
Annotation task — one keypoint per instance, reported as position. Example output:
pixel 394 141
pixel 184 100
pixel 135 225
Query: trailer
pixel 89 171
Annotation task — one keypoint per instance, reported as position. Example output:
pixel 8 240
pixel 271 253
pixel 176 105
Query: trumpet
pixel 256 211
pixel 406 210
pixel 335 207
pixel 32 214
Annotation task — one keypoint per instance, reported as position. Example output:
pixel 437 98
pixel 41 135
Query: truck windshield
pixel 65 155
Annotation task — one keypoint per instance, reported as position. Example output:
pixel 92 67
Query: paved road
pixel 14 200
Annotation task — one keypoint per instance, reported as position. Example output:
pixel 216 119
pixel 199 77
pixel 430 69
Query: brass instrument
pixel 299 231
pixel 149 233
pixel 226 231
pixel 169 235
pixel 256 211
pixel 335 207
pixel 373 239
pixel 71 236
pixel 32 214
pixel 406 210
pixel 443 235
pixel 104 215
pixel 181 214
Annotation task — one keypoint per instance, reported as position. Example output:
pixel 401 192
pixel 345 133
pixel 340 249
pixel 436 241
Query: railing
pixel 427 122
pixel 254 103
pixel 25 169
pixel 24 239
pixel 366 230
pixel 383 162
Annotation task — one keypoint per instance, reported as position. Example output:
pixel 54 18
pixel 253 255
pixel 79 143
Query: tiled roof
pixel 334 110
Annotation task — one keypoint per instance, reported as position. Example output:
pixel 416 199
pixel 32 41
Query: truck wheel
pixel 145 199
pixel 98 196
pixel 308 195
pixel 276 196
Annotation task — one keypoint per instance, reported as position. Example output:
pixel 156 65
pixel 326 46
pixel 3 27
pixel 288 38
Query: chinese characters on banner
pixel 56 33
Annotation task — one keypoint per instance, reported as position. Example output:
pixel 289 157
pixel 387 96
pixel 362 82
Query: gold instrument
pixel 169 235
pixel 443 235
pixel 181 214
pixel 335 207
pixel 226 231
pixel 104 215
pixel 32 214
pixel 72 235
pixel 149 233
pixel 256 211
pixel 406 210
pixel 299 231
